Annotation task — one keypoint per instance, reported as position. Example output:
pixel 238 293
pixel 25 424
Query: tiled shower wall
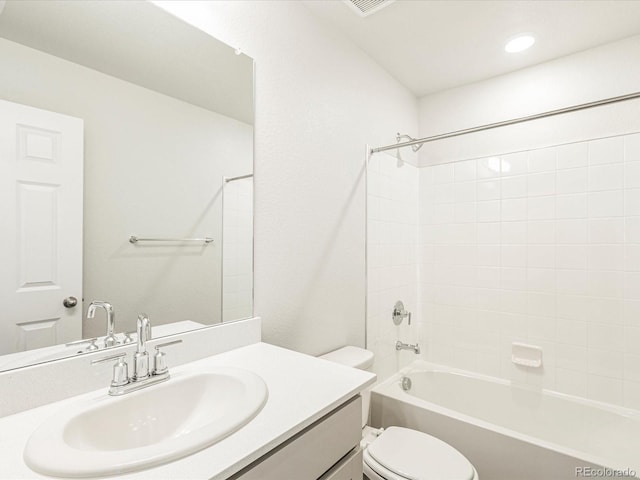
pixel 392 223
pixel 541 247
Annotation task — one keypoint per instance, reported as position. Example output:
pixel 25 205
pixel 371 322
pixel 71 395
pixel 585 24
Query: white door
pixel 41 165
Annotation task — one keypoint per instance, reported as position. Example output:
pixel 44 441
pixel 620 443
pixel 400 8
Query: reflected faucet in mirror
pixel 110 340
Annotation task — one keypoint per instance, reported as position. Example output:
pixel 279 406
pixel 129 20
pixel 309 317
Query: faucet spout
pixel 408 346
pixel 110 340
pixel 141 357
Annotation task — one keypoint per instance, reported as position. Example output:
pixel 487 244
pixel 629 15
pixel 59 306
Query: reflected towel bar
pixel 135 239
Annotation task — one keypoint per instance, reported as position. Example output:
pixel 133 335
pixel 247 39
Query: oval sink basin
pixel 155 425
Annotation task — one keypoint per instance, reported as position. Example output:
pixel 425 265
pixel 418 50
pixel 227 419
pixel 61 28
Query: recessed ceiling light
pixel 519 43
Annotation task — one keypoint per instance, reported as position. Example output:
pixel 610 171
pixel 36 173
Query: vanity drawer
pixel 314 451
pixel 349 468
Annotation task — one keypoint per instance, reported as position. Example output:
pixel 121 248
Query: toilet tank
pixel 359 358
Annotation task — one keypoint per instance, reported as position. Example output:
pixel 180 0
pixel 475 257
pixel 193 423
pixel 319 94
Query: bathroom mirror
pixel 126 172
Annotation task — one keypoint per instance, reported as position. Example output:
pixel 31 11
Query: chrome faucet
pixel 141 357
pixel 142 376
pixel 110 340
pixel 408 346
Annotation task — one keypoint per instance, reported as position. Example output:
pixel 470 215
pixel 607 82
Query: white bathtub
pixel 510 432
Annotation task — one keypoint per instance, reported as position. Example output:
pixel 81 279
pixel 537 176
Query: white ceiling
pixel 431 45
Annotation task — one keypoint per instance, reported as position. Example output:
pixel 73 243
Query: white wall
pixel 532 239
pixel 606 71
pixel 319 100
pixel 153 167
pixel 237 247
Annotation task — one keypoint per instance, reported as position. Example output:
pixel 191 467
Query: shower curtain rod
pixel 489 126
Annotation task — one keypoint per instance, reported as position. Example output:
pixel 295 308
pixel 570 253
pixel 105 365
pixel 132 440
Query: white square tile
pixel 632 229
pixel 632 286
pixel 514 187
pixel 514 209
pixel 573 180
pixel 542 328
pixel 464 171
pixel 606 150
pixel 541 280
pixel 488 167
pixel 573 231
pixel 513 256
pixel 488 277
pixel 573 155
pixel 541 304
pixel 606 204
pixel 514 301
pixel 605 362
pixel 632 148
pixel 426 177
pixel 606 257
pixel 632 175
pixel 573 257
pixel 571 382
pixel 514 164
pixel 571 206
pixel 541 256
pixel 488 233
pixel 488 299
pixel 606 230
pixel 488 255
pixel 632 395
pixel 572 332
pixel 488 211
pixel 443 173
pixel 541 232
pixel 572 307
pixel 572 282
pixel 542 160
pixel 632 257
pixel 541 184
pixel 606 284
pixel 444 193
pixel 632 202
pixel 605 310
pixel 443 213
pixel 606 177
pixel 488 190
pixel 631 339
pixel 513 278
pixel 604 389
pixel 513 232
pixel 605 336
pixel 541 208
pixel 465 212
pixel 464 192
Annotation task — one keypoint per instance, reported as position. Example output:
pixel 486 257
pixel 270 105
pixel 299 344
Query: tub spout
pixel 408 346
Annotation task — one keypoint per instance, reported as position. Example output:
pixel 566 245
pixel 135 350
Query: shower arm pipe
pixel 489 126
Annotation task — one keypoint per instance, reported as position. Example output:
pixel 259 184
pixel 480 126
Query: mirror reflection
pixel 126 177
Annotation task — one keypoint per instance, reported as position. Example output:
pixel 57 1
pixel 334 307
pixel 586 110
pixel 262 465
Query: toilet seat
pixel 405 454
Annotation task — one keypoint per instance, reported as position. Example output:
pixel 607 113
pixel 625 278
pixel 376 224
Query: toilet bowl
pixel 399 453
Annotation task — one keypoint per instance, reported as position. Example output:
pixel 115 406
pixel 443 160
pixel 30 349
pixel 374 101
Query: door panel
pixel 41 173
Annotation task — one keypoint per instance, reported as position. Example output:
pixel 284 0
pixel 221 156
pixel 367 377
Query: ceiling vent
pixel 364 8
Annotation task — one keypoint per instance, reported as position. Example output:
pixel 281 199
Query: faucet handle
pixel 127 337
pixel 159 363
pixel 120 369
pixel 91 341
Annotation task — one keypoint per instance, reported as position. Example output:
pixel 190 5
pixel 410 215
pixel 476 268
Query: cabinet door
pixel 314 451
pixel 349 468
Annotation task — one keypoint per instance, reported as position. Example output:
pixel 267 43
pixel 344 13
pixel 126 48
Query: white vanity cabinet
pixel 329 449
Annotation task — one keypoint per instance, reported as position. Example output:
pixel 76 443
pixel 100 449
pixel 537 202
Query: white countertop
pixel 302 389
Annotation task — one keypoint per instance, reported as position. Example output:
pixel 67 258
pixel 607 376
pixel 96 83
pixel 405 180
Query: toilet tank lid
pixel 351 356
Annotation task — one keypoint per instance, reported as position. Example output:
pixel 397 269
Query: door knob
pixel 70 302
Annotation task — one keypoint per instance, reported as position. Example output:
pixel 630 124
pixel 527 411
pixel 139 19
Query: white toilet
pixel 399 453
